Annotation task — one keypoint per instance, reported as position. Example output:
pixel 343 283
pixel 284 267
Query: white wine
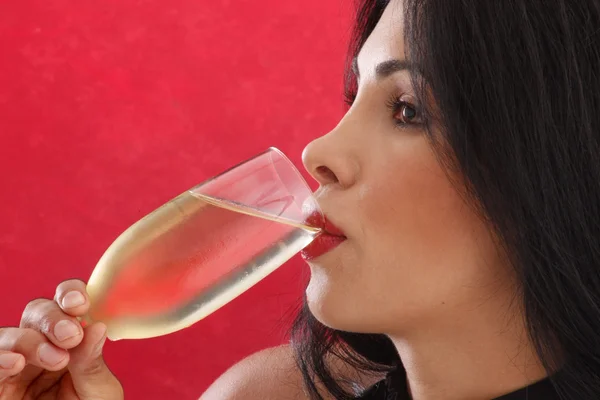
pixel 186 260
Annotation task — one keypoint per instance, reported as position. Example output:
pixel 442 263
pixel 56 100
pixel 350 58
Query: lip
pixel 330 237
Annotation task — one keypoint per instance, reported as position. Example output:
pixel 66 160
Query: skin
pixel 419 265
pixel 42 360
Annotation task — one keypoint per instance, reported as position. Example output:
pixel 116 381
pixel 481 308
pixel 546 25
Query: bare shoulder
pixel 268 374
pixel 273 374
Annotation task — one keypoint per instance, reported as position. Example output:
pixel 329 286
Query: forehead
pixel 386 41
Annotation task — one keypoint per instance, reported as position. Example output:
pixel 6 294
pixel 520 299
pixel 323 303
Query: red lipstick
pixel 329 238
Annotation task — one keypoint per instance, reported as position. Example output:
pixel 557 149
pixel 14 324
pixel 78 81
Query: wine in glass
pixel 202 249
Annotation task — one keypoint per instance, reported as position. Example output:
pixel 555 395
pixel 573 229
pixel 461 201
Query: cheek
pixel 419 234
pixel 410 200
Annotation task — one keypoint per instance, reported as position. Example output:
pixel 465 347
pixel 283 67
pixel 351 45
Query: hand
pixel 51 357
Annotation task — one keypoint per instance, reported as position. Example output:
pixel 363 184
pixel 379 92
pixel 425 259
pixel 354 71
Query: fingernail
pixel 73 299
pixel 103 328
pixel 98 347
pixel 49 355
pixel 65 329
pixel 7 361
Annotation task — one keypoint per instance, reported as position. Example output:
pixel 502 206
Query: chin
pixel 333 307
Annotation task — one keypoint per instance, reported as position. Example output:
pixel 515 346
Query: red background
pixel 110 108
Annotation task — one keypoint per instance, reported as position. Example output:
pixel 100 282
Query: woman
pixel 466 181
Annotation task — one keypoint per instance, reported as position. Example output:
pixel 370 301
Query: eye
pixel 405 113
pixel 408 113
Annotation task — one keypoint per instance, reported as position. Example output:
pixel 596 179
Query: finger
pixel 46 317
pixel 87 357
pixel 72 297
pixel 35 347
pixel 10 364
pixel 89 372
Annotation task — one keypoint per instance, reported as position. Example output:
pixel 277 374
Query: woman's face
pixel 415 253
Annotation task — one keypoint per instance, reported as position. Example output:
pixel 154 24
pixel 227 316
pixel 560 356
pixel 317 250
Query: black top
pixel 394 388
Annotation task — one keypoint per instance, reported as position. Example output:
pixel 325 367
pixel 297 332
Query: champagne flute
pixel 204 248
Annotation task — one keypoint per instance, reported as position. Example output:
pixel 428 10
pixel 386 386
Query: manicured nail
pixel 49 355
pixel 7 361
pixel 65 329
pixel 73 299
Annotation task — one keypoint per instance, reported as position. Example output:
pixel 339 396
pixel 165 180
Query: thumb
pixel 89 373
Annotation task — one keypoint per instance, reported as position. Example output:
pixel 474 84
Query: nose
pixel 330 162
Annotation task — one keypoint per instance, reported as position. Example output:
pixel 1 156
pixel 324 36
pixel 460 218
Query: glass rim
pixel 271 149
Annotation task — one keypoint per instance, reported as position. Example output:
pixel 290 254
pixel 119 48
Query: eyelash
pixel 395 104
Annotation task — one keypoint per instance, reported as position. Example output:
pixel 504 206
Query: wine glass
pixel 202 249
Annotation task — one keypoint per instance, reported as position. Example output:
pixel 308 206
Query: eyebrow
pixel 385 68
